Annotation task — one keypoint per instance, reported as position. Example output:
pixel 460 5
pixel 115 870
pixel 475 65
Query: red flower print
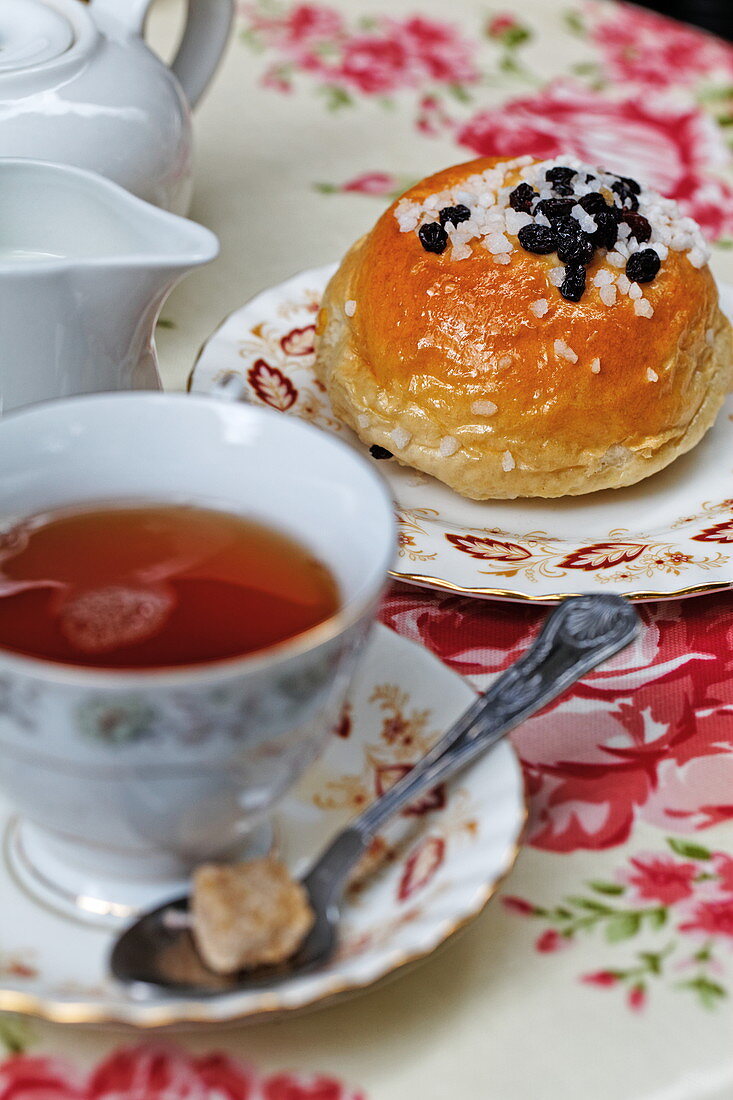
pixel 500 24
pixel 299 341
pixel 272 386
pixel 602 978
pixel 550 940
pixel 469 635
pixel 642 47
pixel 708 201
pixel 648 735
pixel 636 998
pixel 277 79
pixel 712 917
pixel 372 183
pixel 698 793
pixel 392 54
pixel 666 145
pixel 224 1077
pixel 662 879
pixel 518 905
pixel 376 65
pixel 287 1086
pixel 421 866
pixel 157 1073
pixel 303 25
pixel 432 119
pixel 24 1078
pixel 440 51
pixel 312 23
pixel 724 870
pixel 507 31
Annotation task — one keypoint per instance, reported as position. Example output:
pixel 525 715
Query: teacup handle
pixel 205 35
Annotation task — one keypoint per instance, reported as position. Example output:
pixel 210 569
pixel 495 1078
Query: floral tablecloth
pixel 605 968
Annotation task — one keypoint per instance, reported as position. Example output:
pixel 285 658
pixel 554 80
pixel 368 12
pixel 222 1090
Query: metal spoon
pixel 157 954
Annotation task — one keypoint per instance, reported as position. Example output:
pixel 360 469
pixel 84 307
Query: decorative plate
pixel 431 872
pixel 670 535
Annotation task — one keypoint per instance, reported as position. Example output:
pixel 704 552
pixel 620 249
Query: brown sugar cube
pixel 248 914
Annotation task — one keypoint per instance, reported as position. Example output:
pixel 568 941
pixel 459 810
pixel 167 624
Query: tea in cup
pixel 143 728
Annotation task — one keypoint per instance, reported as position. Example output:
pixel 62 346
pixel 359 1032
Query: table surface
pixel 605 968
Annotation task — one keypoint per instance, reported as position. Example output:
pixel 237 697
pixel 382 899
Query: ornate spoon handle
pixel 581 633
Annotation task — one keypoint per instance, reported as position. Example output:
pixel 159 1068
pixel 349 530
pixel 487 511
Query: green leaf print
pixel 687 849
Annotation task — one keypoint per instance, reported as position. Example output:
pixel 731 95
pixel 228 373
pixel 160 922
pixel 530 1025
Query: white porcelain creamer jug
pixel 79 86
pixel 84 270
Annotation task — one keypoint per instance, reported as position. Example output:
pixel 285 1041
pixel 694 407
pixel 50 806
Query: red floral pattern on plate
pixel 160 1073
pixel 299 341
pixel 602 555
pixel 386 775
pixel 720 532
pixel 489 549
pixel 272 386
pixel 422 865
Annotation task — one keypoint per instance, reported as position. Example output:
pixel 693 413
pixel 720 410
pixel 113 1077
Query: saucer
pixel 669 536
pixel 430 872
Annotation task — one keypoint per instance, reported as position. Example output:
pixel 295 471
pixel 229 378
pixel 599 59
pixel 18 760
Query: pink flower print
pixel 603 978
pixel 668 146
pixel 549 941
pixel 711 917
pixel 699 792
pixel 636 997
pixel 641 47
pixel 24 1078
pixel 303 25
pixel 163 1073
pixel 724 870
pixel 500 24
pixel 391 54
pixel 286 1086
pixel 661 879
pixel 518 905
pixel 441 52
pixel 432 119
pixel 308 23
pixel 376 65
pixel 371 183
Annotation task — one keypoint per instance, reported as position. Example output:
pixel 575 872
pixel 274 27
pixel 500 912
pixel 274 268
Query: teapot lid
pixel 32 33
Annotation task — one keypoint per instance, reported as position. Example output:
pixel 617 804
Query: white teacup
pixel 125 780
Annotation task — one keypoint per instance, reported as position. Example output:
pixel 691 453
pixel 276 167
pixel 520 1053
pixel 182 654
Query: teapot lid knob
pixel 31 33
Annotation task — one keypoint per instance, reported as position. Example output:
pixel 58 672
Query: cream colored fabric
pixel 488 1018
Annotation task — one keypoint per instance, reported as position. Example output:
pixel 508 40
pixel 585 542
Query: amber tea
pixel 154 586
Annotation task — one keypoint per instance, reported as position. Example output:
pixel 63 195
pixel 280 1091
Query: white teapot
pixel 79 86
